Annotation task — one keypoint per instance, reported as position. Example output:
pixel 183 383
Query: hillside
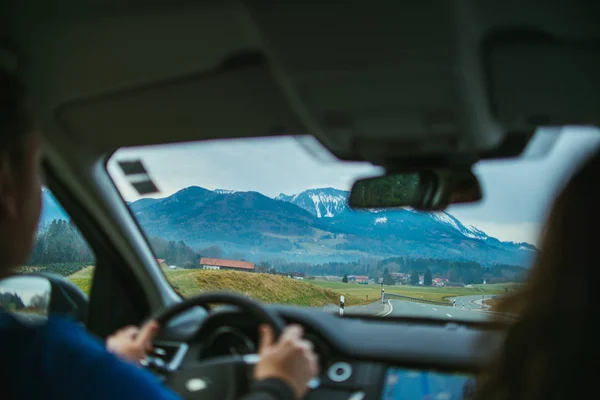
pixel 316 226
pixel 263 287
pixel 83 279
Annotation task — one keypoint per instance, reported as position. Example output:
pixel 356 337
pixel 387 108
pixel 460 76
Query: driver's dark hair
pixel 553 350
pixel 15 119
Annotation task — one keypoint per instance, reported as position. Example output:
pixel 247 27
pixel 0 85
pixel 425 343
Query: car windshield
pixel 268 217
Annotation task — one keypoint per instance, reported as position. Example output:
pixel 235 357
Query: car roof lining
pixel 152 72
pixel 230 92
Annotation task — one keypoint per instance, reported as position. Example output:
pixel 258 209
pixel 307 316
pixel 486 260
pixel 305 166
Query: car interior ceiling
pixel 467 80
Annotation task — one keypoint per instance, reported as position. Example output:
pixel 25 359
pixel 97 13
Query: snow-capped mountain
pixel 468 231
pixel 322 203
pixel 330 202
pixel 225 191
pixel 315 225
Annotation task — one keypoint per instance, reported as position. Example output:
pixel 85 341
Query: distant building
pixel 329 278
pixel 162 263
pixel 439 282
pixel 400 277
pixel 361 279
pixel 234 265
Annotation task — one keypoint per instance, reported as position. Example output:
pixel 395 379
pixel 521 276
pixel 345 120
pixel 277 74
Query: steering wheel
pixel 225 377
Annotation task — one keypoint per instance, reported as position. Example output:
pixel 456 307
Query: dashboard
pixel 363 358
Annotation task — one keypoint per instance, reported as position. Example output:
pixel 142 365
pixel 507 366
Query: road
pixel 30 318
pixel 471 302
pixel 401 308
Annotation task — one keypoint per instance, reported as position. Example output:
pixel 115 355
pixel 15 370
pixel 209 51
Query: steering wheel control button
pixel 339 372
pixel 196 385
pixel 314 383
pixel 357 396
pixel 160 352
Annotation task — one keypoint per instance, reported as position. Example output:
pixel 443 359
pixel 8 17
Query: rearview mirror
pixel 422 190
pixel 32 297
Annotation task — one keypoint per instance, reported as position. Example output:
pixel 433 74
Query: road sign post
pixel 382 295
pixel 341 305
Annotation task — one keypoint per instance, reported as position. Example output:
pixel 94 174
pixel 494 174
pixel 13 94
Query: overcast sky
pixel 517 192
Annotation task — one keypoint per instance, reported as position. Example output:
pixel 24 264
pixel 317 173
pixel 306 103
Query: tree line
pixel 61 248
pixel 60 242
pixel 60 245
pixel 12 301
pixel 181 255
pixel 467 272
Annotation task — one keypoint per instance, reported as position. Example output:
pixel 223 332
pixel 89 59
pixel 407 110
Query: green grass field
pixel 277 289
pixel 263 287
pixel 427 293
pixel 83 279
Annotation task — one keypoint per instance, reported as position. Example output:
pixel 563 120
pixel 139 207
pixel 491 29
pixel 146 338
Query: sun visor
pixel 239 101
pixel 543 82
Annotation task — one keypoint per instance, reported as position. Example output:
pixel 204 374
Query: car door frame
pixel 116 298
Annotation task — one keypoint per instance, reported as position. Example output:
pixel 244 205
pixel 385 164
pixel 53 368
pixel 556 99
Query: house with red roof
pixel 219 263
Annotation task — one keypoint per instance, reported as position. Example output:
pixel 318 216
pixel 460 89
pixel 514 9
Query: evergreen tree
pixel 414 278
pixel 427 278
pixel 345 278
pixel 387 278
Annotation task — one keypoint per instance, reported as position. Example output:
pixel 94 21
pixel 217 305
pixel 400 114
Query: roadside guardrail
pixel 416 299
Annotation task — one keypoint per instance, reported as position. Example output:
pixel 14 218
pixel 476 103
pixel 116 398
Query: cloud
pixel 267 165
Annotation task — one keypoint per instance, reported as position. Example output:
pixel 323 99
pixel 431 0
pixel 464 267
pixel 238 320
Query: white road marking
pixel 449 315
pixel 434 309
pixel 391 309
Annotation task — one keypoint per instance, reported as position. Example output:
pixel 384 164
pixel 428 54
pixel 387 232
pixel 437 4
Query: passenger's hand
pixel 291 359
pixel 132 343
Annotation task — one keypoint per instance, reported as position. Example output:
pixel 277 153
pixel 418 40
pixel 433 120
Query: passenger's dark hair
pixel 15 119
pixel 553 351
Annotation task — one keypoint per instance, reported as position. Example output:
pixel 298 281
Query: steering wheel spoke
pixel 217 378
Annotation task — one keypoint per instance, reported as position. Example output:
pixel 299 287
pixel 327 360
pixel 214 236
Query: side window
pixel 59 247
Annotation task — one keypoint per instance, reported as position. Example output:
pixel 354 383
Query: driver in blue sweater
pixel 59 359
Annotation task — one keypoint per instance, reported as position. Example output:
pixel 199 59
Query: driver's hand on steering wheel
pixel 132 343
pixel 291 359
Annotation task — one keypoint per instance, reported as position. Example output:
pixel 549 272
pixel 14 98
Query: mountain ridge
pixel 316 225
